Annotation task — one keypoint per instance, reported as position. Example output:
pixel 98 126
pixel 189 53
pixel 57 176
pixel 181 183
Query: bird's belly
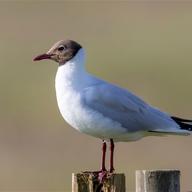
pixel 89 121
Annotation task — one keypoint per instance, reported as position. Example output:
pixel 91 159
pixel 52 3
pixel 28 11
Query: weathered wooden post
pixel 158 181
pixel 89 182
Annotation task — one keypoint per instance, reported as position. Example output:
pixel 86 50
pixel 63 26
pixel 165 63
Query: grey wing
pixel 124 107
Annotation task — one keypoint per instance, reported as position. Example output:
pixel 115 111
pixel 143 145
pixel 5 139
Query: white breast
pixel 71 79
pixel 83 118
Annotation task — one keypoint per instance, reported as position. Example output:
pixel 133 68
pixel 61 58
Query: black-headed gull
pixel 100 109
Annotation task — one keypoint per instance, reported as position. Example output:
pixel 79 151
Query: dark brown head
pixel 61 52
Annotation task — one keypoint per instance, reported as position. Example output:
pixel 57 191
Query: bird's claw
pixel 102 175
pixel 111 170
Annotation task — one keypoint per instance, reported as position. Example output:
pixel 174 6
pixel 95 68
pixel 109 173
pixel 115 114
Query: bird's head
pixel 61 52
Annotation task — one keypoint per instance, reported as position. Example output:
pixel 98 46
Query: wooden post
pixel 158 181
pixel 89 182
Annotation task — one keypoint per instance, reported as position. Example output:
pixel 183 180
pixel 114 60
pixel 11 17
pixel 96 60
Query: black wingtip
pixel 181 119
pixel 183 123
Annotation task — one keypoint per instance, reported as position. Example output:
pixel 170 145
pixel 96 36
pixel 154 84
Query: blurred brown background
pixel 143 46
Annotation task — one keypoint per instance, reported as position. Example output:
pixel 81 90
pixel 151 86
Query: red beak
pixel 42 56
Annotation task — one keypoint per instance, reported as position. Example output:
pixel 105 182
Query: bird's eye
pixel 61 48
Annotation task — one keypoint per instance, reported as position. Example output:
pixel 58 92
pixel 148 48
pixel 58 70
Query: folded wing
pixel 129 110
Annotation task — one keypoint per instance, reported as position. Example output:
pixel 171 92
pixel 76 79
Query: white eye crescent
pixel 62 47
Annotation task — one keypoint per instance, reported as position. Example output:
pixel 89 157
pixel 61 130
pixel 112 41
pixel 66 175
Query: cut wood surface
pixel 158 181
pixel 89 182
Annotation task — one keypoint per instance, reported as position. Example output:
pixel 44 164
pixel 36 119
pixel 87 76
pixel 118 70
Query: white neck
pixel 72 73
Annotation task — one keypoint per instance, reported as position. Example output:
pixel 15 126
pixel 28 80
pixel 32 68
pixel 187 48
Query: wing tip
pixel 171 132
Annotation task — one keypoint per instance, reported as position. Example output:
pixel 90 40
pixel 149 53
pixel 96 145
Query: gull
pixel 101 109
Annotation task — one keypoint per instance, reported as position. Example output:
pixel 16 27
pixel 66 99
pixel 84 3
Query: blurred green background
pixel 143 46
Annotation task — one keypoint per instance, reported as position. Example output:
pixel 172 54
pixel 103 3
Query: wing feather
pixel 117 104
pixel 127 109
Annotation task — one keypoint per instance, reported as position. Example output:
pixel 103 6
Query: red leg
pixel 102 173
pixel 112 146
pixel 104 147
